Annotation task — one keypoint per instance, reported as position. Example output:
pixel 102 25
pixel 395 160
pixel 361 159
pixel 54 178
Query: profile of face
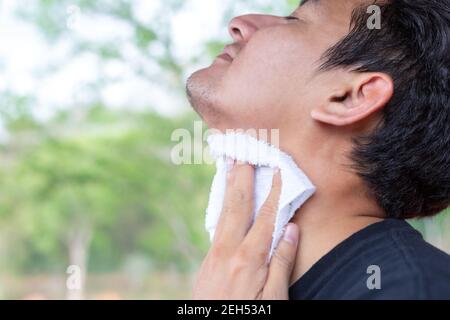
pixel 269 78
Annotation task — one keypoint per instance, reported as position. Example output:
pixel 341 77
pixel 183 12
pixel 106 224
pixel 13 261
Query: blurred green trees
pixel 91 184
pixel 105 185
pixel 94 185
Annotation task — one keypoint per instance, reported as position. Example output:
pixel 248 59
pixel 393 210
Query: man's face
pixel 268 79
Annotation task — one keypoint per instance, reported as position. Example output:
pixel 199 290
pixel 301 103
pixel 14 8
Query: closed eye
pixel 291 18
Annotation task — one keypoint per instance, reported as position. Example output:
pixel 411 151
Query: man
pixel 365 112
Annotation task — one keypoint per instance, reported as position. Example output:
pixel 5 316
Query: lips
pixel 226 57
pixel 229 53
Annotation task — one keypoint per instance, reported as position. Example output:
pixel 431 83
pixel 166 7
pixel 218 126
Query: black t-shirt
pixel 387 260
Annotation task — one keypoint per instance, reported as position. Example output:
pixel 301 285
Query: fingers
pixel 282 264
pixel 259 237
pixel 237 212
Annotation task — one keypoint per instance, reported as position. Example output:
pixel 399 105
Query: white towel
pixel 296 186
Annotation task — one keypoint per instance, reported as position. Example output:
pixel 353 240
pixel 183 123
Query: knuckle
pixel 226 208
pixel 241 261
pixel 218 252
pixel 282 260
pixel 242 196
pixel 268 211
pixel 253 255
pixel 237 267
pixel 235 201
pixel 243 255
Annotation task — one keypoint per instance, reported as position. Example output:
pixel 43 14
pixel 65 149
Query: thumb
pixel 282 264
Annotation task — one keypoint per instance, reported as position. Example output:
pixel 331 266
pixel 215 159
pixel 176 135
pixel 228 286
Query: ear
pixel 362 96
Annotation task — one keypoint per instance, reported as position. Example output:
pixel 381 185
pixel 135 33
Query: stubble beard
pixel 199 93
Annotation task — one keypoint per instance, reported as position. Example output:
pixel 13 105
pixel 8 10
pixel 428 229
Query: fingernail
pixel 291 234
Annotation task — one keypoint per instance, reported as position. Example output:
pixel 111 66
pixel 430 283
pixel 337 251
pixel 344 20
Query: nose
pixel 242 28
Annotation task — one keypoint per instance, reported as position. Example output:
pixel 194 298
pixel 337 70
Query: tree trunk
pixel 78 246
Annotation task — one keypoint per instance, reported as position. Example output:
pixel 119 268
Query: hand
pixel 237 266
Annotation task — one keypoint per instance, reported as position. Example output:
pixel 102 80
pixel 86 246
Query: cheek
pixel 274 63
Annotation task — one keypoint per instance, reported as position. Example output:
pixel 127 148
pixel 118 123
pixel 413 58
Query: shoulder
pixel 388 260
pixel 408 266
pixel 426 266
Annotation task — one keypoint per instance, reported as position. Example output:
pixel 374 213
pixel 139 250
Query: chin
pixel 201 89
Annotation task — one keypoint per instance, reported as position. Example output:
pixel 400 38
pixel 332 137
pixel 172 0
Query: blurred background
pixel 90 94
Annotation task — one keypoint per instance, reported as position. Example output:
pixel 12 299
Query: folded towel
pixel 296 187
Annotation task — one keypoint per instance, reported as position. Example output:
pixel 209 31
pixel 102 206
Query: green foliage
pixel 106 173
pixel 112 172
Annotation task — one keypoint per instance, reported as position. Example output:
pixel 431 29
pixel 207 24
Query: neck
pixel 340 207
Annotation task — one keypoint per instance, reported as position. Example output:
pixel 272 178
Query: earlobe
pixel 365 95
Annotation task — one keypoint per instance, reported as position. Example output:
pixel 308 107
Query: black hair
pixel 405 161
